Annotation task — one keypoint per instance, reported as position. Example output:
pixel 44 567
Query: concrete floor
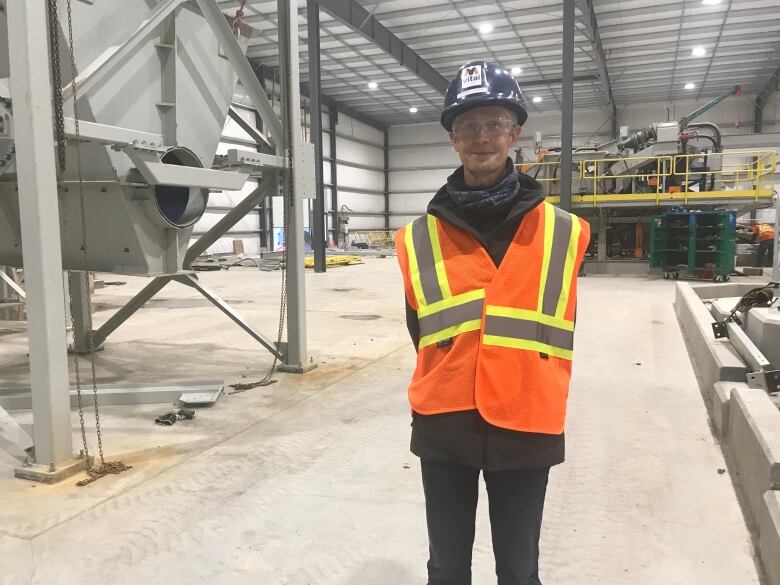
pixel 310 481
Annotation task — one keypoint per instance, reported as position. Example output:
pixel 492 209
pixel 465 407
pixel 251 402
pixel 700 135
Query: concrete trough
pixel 754 441
pixel 746 420
pixel 769 536
pixel 714 360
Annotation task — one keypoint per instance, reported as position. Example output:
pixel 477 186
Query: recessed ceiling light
pixel 699 52
pixel 486 28
pixel 710 2
pixel 413 110
pixel 372 85
pixel 516 71
pixel 690 85
pixel 537 99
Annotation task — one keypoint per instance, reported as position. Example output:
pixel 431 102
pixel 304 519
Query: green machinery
pixel 696 244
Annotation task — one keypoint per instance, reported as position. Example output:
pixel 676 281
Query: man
pixel 765 236
pixel 490 282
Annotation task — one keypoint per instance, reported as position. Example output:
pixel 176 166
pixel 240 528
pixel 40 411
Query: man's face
pixel 482 138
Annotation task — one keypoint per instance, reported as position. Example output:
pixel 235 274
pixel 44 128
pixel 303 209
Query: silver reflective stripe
pixel 425 263
pixel 530 330
pixel 470 311
pixel 560 248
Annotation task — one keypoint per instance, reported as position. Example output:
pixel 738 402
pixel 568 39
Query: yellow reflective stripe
pixel 441 271
pixel 474 325
pixel 568 270
pixel 549 229
pixel 527 315
pixel 447 303
pixel 414 269
pixel 527 344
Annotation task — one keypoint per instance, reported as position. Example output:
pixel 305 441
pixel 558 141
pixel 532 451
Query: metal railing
pixel 733 174
pixel 374 238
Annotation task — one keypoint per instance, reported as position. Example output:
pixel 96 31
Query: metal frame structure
pixel 42 255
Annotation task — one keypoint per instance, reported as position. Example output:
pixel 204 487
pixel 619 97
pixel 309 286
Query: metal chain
pixel 238 19
pixel 59 118
pixel 287 211
pixel 105 468
pixel 56 80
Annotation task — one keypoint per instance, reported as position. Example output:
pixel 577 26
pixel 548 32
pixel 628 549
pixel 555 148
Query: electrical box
pixel 667 131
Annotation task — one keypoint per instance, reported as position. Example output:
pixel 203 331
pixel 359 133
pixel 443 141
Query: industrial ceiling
pixel 626 51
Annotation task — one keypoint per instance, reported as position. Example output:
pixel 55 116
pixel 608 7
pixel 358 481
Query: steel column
pixel 333 118
pixel 287 11
pixel 567 104
pixel 387 179
pixel 602 248
pixel 776 257
pixel 315 106
pixel 38 210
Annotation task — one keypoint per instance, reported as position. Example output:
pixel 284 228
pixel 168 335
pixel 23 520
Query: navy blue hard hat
pixel 482 83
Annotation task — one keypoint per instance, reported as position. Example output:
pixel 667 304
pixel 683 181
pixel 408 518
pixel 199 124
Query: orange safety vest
pixel 765 232
pixel 499 340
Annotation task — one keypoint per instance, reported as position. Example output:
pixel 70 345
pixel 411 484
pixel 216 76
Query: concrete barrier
pixel 714 359
pixel 769 536
pixel 719 405
pixel 754 441
pixel 720 291
pixel 745 419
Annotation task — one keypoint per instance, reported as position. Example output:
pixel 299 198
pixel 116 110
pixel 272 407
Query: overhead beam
pixel 763 98
pixel 590 20
pixel 266 72
pixel 361 21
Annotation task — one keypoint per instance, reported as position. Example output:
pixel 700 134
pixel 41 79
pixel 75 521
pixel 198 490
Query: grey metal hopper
pixel 154 88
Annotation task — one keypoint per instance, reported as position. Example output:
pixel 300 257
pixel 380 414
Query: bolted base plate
pixel 86 351
pixel 44 474
pixel 296 368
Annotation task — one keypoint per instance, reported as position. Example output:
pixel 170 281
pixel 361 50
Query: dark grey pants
pixel 516 502
pixel 766 250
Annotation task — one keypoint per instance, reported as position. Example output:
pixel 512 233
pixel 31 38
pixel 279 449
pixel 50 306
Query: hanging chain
pixel 56 81
pixel 287 210
pixel 105 468
pixel 238 19
pixel 59 129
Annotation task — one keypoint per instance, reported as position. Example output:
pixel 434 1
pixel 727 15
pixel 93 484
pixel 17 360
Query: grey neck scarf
pixel 493 200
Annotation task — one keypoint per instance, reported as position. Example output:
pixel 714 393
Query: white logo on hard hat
pixel 471 76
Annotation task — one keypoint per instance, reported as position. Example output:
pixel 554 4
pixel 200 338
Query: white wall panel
pixel 399 221
pixel 412 134
pixel 409 157
pixel 360 178
pixel 419 181
pixel 248 223
pixel 351 127
pixel 366 223
pixel 359 202
pixel 326 173
pixel 410 203
pixel 357 152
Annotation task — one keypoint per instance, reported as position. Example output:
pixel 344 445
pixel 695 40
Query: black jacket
pixel 465 437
